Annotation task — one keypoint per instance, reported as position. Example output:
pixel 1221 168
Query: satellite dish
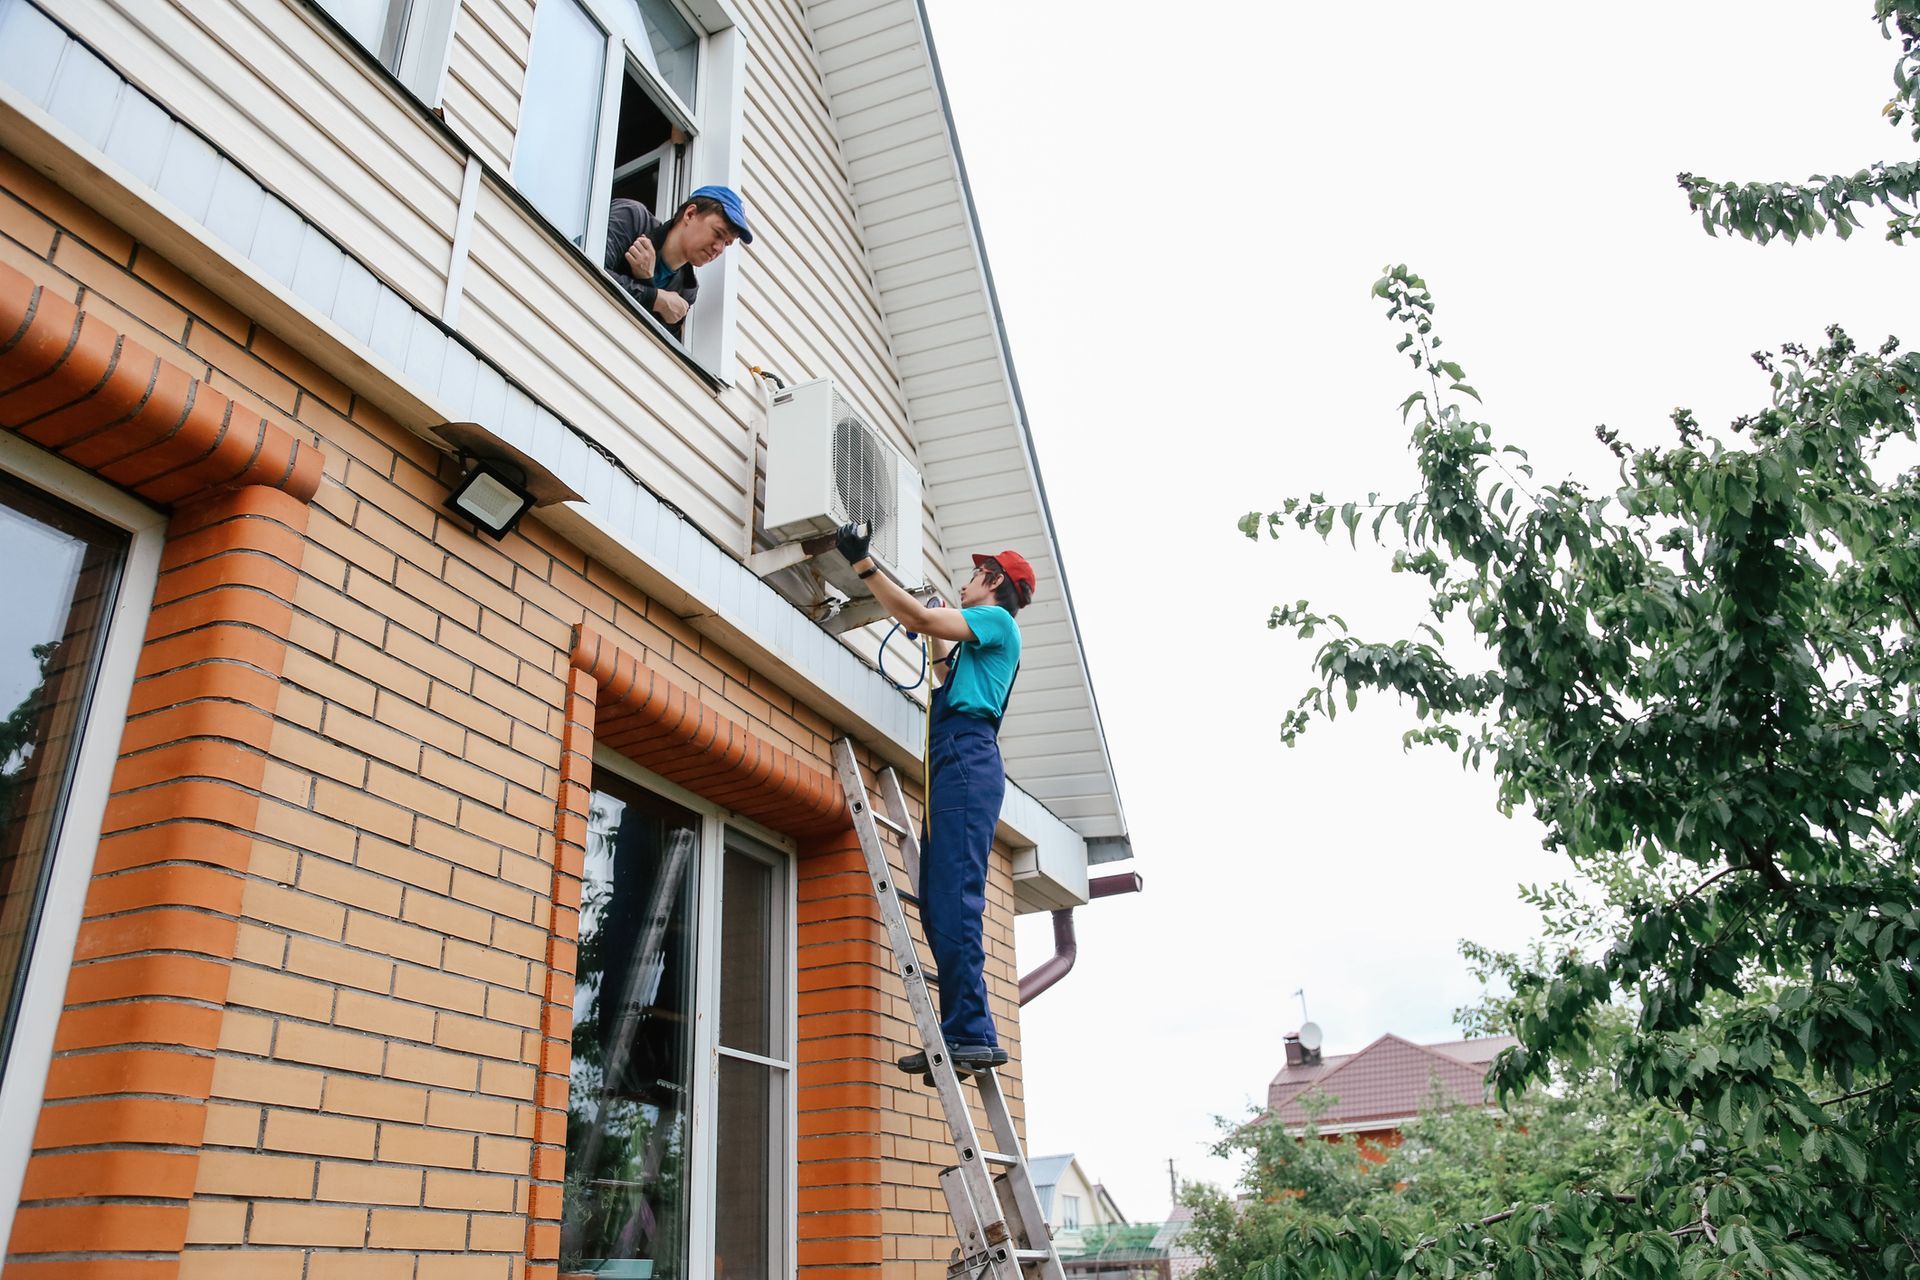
pixel 1310 1036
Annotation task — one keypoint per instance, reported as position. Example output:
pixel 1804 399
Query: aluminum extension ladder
pixel 996 1212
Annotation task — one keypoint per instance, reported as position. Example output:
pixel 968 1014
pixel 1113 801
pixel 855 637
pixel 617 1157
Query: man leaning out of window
pixel 654 260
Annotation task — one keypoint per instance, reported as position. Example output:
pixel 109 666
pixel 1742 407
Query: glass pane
pixel 59 571
pixel 628 1161
pixel 745 1194
pixel 560 115
pixel 746 956
pixel 666 42
pixel 365 20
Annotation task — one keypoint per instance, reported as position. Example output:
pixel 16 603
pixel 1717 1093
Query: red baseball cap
pixel 1015 566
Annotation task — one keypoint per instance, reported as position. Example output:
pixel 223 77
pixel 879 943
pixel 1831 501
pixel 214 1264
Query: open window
pixel 634 99
pixel 409 37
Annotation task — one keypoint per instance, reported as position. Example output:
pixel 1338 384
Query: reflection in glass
pixel 560 115
pixel 660 37
pixel 743 1200
pixel 59 571
pixel 368 21
pixel 627 1129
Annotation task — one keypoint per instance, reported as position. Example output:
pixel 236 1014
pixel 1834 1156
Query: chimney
pixel 1295 1054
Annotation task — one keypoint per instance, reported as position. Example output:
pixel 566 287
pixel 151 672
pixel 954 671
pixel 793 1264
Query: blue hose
pixel 881 661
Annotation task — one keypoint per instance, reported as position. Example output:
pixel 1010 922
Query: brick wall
pixel 352 1034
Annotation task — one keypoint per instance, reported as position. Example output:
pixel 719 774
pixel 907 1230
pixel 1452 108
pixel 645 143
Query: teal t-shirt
pixel 983 671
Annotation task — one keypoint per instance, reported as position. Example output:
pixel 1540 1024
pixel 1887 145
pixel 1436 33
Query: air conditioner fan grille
pixel 864 481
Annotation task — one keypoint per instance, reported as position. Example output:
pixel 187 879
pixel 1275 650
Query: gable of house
pixel 1390 1081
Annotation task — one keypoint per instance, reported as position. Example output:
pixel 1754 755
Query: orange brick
pixel 319 1135
pixel 507 1080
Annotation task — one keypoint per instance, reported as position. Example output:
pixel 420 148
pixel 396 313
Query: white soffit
pixel 936 292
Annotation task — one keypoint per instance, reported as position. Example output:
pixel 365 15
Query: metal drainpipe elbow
pixel 1066 948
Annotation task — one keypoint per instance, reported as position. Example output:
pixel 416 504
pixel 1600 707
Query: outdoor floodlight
pixel 493 495
pixel 501 483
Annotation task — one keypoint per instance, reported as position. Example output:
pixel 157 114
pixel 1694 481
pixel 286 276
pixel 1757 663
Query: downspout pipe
pixel 1066 948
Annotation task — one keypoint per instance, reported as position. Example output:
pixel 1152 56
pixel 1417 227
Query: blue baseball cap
pixel 729 201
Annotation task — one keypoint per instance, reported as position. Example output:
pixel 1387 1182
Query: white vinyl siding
pixel 808 302
pixel 305 114
pixel 485 70
pixel 534 306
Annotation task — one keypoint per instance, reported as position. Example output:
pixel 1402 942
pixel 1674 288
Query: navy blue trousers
pixel 969 781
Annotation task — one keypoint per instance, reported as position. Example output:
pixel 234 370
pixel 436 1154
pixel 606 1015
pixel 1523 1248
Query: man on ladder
pixel 976 654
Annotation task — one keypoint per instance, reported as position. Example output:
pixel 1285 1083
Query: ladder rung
pixel 1031 1255
pixel 887 822
pixel 994 1157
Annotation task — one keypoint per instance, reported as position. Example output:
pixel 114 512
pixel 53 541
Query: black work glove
pixel 853 540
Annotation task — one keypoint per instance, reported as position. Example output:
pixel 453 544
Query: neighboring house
pixel 1070 1201
pixel 1372 1093
pixel 383 900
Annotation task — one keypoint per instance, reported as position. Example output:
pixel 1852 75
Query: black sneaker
pixel 967 1059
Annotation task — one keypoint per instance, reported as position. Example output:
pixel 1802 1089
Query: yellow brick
pixel 311 1224
pixel 368 1184
pixel 319 1135
pixel 375 1099
pixel 251 1081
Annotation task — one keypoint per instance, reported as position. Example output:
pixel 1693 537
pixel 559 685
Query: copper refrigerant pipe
pixel 1065 947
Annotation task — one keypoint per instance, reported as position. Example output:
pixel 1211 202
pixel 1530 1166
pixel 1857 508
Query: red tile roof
pixel 1388 1081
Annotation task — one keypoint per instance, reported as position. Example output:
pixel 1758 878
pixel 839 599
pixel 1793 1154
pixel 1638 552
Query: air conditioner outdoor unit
pixel 827 466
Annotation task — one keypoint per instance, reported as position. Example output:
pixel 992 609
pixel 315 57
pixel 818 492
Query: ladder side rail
pixel 953 1103
pixel 1018 1178
pixel 896 803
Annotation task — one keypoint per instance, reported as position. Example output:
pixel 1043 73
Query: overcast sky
pixel 1184 220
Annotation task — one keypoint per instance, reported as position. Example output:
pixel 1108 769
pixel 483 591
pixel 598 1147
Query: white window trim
pixel 51 958
pixel 426 45
pixel 703 1126
pixel 426 48
pixel 714 158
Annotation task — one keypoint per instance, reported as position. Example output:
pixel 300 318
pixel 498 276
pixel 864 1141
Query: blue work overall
pixel 968 784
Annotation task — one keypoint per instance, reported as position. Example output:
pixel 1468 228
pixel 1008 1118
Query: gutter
pixel 1066 947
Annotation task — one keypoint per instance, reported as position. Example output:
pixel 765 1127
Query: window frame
pixel 49 960
pixel 713 156
pixel 420 33
pixel 722 829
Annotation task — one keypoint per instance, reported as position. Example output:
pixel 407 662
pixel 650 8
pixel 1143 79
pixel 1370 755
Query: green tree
pixel 1703 684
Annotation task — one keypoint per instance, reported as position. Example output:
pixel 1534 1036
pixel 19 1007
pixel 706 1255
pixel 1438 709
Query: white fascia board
pixel 1049 857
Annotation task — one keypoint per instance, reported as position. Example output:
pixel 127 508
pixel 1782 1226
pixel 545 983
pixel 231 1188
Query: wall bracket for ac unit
pixel 853 615
pixel 789 554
